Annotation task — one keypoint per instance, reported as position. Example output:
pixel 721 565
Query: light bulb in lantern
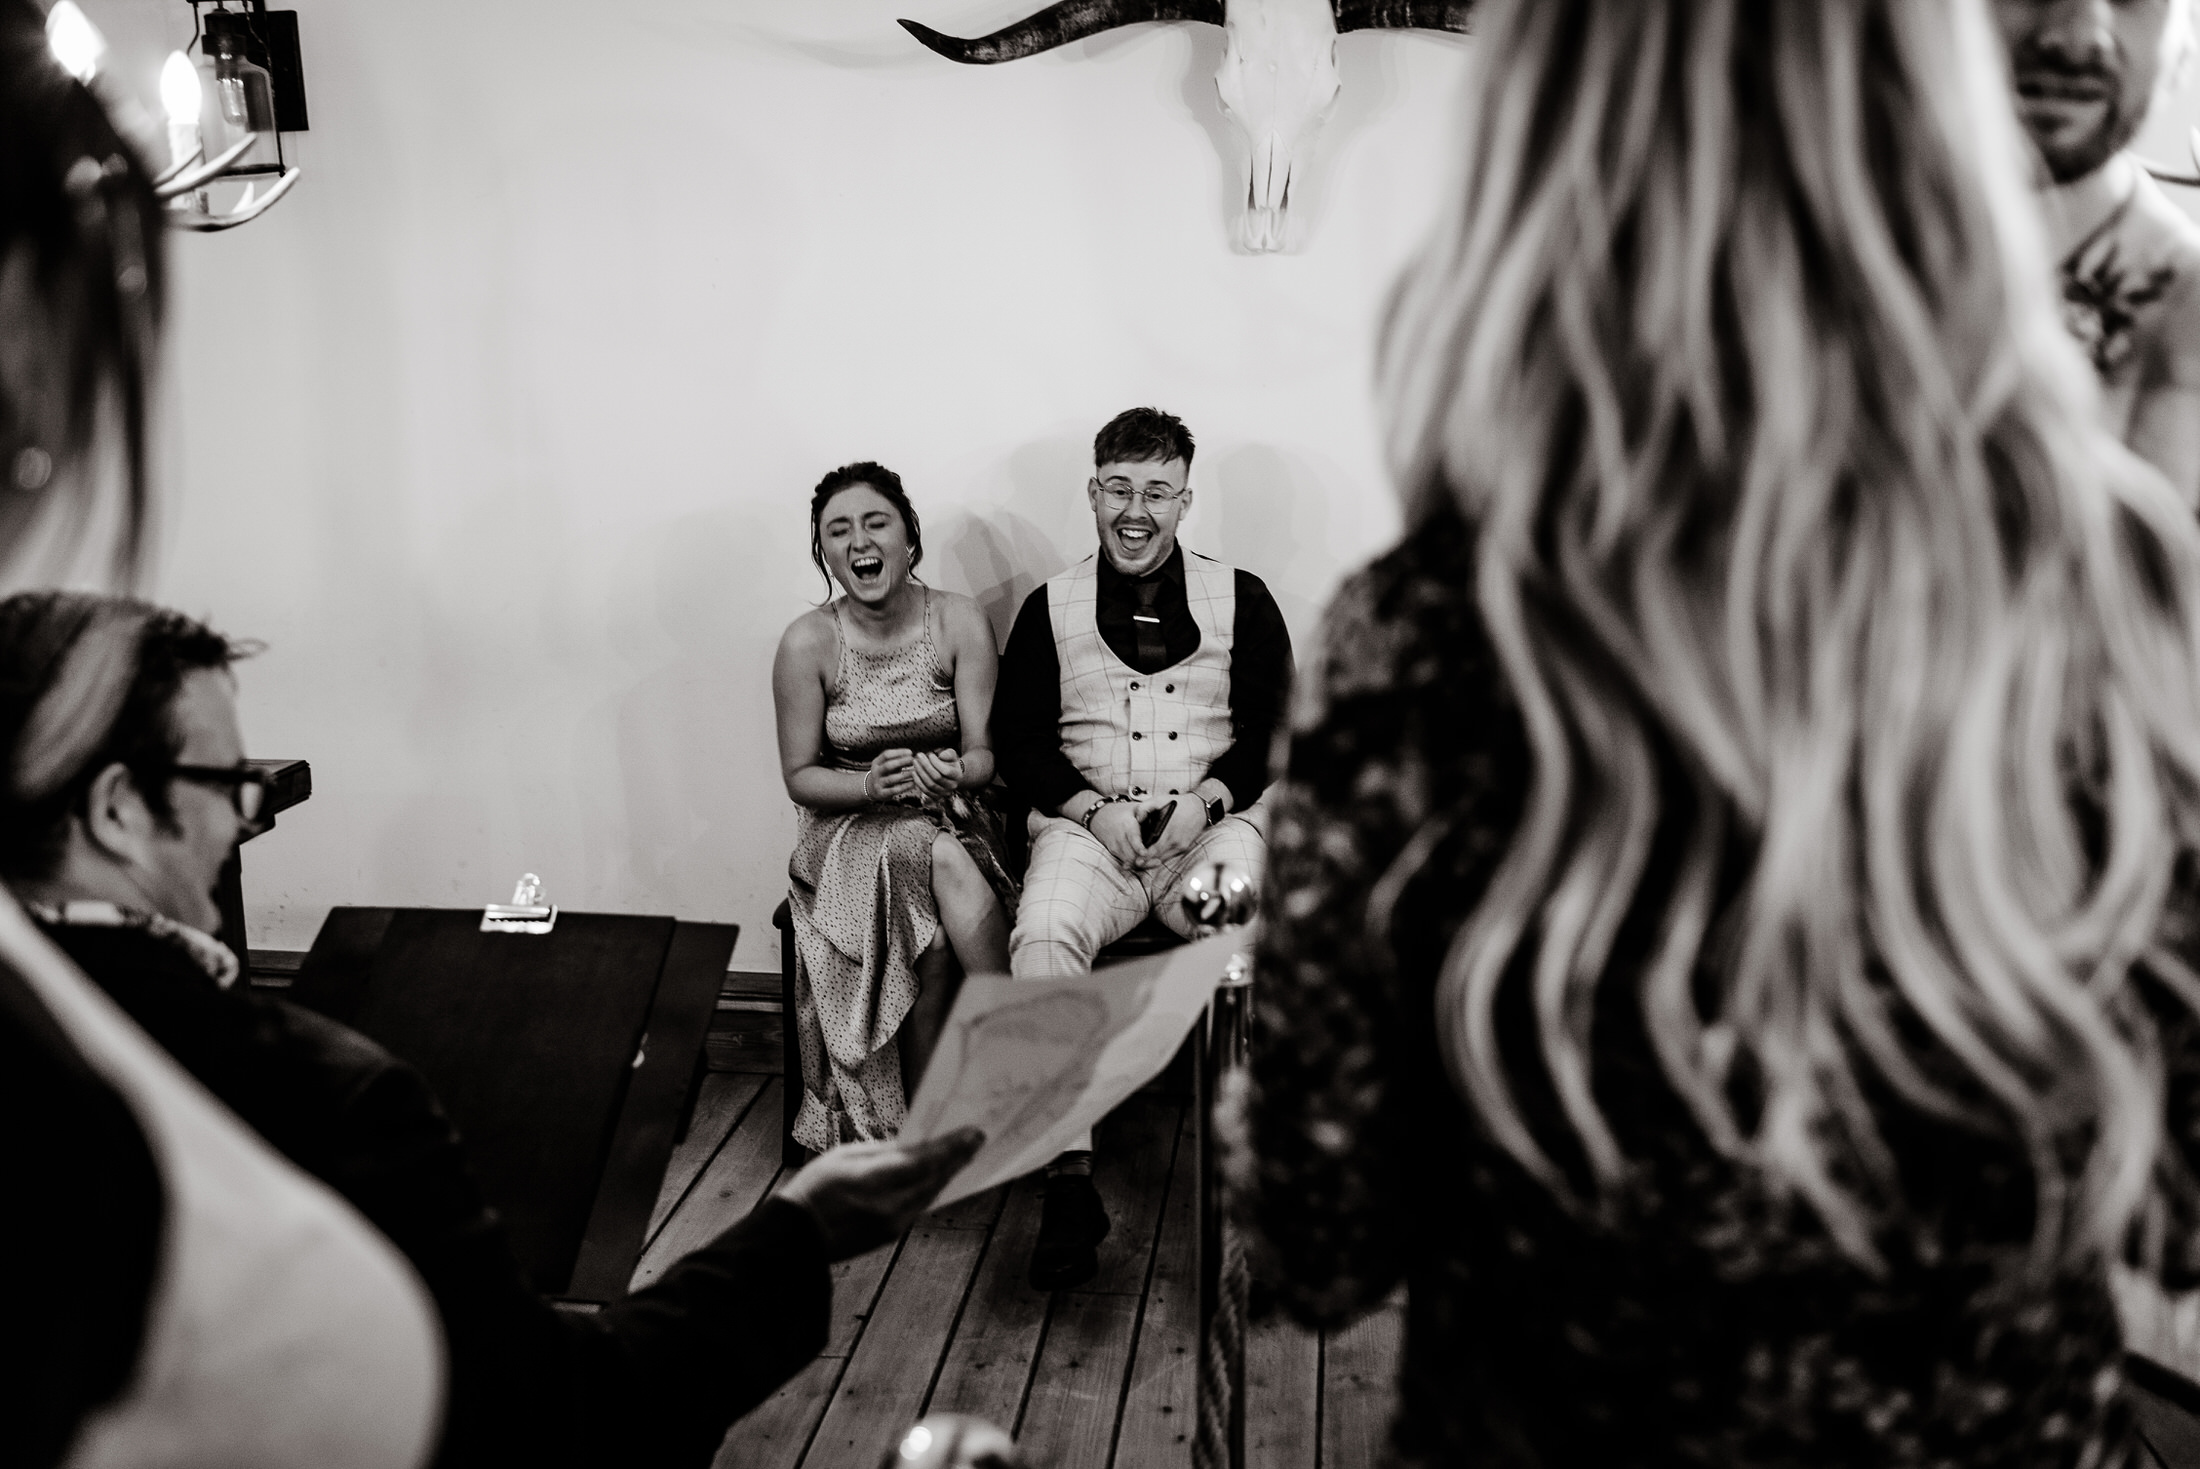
pixel 180 89
pixel 181 97
pixel 75 42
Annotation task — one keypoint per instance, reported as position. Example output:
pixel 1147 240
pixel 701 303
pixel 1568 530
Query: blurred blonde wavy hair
pixel 1737 347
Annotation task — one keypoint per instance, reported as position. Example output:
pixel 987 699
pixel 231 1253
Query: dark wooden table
pixel 567 1060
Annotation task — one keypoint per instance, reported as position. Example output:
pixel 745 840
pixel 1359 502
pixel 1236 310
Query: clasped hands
pixel 1116 826
pixel 931 775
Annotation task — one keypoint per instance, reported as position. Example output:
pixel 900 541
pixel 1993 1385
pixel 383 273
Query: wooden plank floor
pixel 942 1320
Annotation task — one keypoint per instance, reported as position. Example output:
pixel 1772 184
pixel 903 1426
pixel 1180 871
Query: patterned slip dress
pixel 860 888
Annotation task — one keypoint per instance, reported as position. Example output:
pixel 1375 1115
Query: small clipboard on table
pixel 567 1059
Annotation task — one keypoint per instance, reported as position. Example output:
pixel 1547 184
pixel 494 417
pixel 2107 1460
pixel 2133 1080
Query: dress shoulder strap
pixel 935 645
pixel 840 652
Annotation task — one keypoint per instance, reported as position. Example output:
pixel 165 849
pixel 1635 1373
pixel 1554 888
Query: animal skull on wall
pixel 1277 79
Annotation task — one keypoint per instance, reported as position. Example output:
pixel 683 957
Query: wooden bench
pixel 567 1060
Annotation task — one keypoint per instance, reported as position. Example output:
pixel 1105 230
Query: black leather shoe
pixel 1071 1225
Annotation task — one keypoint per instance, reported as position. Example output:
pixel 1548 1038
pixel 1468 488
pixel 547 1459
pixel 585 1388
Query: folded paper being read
pixel 1035 1063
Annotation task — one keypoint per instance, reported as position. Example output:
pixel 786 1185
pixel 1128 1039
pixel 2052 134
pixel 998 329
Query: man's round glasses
pixel 1118 492
pixel 247 786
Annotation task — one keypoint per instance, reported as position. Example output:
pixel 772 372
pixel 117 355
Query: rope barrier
pixel 1221 1440
pixel 1213 900
pixel 1220 1443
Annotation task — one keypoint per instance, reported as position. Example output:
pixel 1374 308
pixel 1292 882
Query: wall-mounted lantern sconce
pixel 75 42
pixel 226 111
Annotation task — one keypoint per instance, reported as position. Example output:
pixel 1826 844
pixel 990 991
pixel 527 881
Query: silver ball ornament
pixel 1217 896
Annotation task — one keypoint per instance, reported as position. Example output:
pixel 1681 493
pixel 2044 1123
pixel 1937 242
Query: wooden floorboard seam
pixel 892 1366
pixel 1081 1344
pixel 1359 1384
pixel 1321 1379
pixel 1002 1319
pixel 1158 1412
pixel 817 1419
pixel 825 1403
pixel 1145 1292
pixel 689 1187
pixel 740 1175
pixel 1031 1372
pixel 970 1286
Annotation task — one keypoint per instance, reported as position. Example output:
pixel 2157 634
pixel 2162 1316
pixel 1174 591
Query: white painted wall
pixel 500 431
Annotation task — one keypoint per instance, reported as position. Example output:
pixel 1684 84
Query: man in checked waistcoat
pixel 1146 678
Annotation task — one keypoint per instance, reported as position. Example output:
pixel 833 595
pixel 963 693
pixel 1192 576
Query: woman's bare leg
pixel 972 938
pixel 970 910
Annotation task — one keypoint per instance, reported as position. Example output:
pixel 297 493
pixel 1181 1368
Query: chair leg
pixel 2166 1404
pixel 791 1153
pixel 694 1095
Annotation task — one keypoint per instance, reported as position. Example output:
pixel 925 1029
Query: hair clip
pixel 33 468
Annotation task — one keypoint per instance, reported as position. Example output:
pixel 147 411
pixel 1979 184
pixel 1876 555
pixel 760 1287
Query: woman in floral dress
pixel 896 884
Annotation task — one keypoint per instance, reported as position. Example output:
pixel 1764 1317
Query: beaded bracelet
pixel 1090 811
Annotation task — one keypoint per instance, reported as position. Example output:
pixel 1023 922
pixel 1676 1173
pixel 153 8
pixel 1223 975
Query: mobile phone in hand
pixel 1156 822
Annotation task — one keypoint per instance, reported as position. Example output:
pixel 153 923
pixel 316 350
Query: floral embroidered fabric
pixel 1697 1318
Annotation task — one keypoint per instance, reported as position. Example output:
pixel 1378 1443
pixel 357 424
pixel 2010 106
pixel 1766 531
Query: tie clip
pixel 1142 617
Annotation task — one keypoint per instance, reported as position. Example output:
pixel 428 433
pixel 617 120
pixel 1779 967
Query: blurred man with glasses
pixel 2086 73
pixel 146 828
pixel 1138 699
pixel 115 851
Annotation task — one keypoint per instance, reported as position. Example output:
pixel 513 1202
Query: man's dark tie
pixel 1152 651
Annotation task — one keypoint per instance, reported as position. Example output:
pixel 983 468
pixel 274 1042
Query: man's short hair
pixel 1141 436
pixel 43 652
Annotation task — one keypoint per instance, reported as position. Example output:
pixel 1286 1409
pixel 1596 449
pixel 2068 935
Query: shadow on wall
pixel 1042 525
pixel 472 748
pixel 1001 558
pixel 1264 509
pixel 653 791
pixel 1260 508
pixel 691 805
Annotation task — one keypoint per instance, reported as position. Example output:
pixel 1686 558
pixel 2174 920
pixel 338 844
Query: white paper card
pixel 1034 1063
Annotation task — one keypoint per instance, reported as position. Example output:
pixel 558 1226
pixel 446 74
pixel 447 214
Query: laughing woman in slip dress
pixel 897 881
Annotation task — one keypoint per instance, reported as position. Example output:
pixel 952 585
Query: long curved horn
pixel 244 213
pixel 1060 24
pixel 1399 15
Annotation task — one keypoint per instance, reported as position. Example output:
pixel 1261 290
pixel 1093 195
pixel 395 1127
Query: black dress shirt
pixel 1027 705
pixel 654 1379
pixel 86 1204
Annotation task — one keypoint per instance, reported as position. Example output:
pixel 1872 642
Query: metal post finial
pixel 1218 896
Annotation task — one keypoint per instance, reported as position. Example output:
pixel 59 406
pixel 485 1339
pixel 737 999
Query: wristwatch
pixel 1216 810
